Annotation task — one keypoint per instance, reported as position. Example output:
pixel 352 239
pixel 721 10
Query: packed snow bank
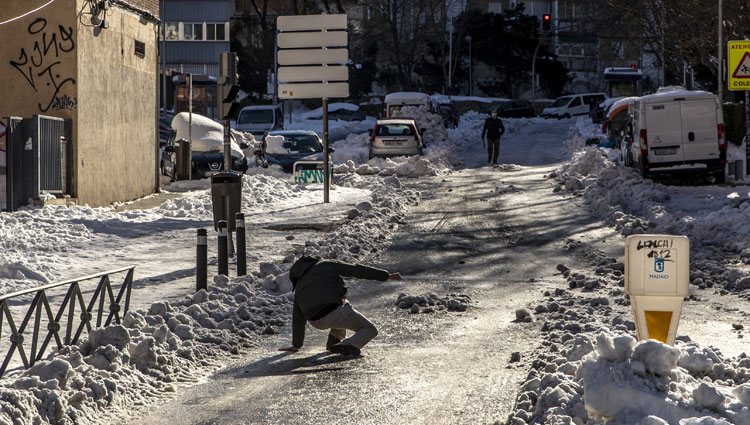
pixel 713 217
pixel 337 106
pixel 590 370
pixel 155 350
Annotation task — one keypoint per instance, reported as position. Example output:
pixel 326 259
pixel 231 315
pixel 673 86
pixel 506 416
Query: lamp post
pixel 720 64
pixel 471 67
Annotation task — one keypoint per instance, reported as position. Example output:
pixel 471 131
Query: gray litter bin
pixel 226 197
pixel 184 160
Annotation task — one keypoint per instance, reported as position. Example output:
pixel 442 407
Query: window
pixel 395 130
pixel 172 31
pixel 255 116
pixel 575 102
pixel 140 49
pixel 495 7
pixel 216 32
pixel 192 31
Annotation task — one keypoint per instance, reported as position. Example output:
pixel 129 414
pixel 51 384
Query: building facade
pixel 98 70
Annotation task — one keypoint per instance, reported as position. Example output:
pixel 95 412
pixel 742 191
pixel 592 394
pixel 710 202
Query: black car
pixel 291 147
pixel 204 164
pixel 450 117
pixel 516 109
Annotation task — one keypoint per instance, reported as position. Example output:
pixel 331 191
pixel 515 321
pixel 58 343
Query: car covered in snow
pixel 285 147
pixel 396 137
pixel 337 111
pixel 207 146
pixel 395 101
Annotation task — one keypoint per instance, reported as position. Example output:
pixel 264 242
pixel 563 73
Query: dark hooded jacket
pixel 319 286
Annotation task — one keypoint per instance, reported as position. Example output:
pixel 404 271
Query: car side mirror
pixel 170 149
pixel 422 130
pixel 244 145
pixel 331 150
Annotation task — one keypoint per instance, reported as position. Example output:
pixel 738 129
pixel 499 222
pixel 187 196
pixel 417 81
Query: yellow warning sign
pixel 739 65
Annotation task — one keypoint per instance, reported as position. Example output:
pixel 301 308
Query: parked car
pixel 448 113
pixel 207 147
pixel 395 101
pixel 396 137
pixel 337 111
pixel 599 111
pixel 617 117
pixel 516 109
pixel 573 105
pixel 260 119
pixel 677 130
pixel 285 147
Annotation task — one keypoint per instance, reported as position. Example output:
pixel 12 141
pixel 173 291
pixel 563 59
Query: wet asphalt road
pixel 496 236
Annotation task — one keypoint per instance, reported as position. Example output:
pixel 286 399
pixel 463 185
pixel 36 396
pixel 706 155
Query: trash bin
pixel 184 160
pixel 226 197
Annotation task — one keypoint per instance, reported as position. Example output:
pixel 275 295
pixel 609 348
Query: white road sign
pixel 313 90
pixel 313 56
pixel 311 22
pixel 296 40
pixel 289 74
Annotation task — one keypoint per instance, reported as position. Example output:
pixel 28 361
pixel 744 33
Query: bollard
pixel 201 260
pixel 223 259
pixel 241 252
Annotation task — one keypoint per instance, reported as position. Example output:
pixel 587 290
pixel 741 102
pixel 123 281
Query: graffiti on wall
pixel 41 64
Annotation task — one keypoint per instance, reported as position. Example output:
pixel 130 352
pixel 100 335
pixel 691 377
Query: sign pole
pixel 190 124
pixel 326 165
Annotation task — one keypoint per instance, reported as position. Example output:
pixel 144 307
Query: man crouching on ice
pixel 320 297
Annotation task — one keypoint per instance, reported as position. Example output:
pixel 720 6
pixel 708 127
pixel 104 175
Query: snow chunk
pixel 708 396
pixel 617 349
pixel 660 359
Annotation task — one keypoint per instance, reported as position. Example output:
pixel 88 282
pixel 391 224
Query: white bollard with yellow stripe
pixel 657 276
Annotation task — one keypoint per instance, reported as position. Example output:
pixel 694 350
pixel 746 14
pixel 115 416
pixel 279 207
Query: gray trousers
pixel 347 318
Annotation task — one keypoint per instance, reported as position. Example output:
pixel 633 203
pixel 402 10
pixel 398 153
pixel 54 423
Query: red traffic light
pixel 546 22
pixel 633 66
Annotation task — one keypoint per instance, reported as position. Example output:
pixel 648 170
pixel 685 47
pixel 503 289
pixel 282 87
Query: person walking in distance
pixel 320 298
pixel 493 129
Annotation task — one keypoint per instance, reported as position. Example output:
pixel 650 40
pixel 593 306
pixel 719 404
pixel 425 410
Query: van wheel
pixel 643 171
pixel 720 177
pixel 420 152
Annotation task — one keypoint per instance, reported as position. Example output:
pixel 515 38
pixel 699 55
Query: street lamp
pixel 471 67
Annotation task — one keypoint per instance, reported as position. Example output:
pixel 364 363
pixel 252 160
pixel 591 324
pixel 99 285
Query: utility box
pixel 657 277
pixel 184 160
pixel 226 197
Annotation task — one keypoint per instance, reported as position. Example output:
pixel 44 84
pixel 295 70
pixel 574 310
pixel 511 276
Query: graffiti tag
pixel 40 64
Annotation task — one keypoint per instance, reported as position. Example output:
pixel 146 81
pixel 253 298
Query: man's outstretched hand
pixel 291 349
pixel 395 276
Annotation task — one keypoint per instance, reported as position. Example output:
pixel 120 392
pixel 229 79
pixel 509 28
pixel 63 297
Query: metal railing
pixel 41 310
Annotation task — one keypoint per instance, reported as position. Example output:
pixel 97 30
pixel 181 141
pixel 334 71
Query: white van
pixel 260 119
pixel 572 105
pixel 677 130
pixel 395 101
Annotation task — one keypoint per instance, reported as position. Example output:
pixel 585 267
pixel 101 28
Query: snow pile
pixel 257 191
pixel 430 303
pixel 590 370
pixel 151 352
pixel 336 106
pixel 355 148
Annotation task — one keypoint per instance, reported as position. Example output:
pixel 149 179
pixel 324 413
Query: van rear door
pixel 664 132
pixel 699 132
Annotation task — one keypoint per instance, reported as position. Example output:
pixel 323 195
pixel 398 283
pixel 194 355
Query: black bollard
pixel 223 257
pixel 201 261
pixel 241 251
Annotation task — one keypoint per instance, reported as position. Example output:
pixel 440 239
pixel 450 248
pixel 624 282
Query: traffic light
pixel 229 106
pixel 633 66
pixel 227 86
pixel 547 22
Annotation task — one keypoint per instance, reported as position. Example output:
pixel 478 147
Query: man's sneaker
pixel 332 340
pixel 346 350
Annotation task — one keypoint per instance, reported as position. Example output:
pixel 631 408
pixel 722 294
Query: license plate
pixel 665 151
pixel 393 142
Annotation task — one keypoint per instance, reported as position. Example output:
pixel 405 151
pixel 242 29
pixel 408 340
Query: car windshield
pixel 301 143
pixel 563 101
pixel 395 130
pixel 396 108
pixel 255 116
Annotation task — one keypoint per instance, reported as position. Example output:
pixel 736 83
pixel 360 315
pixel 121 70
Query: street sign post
pixel 657 274
pixel 738 61
pixel 311 59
